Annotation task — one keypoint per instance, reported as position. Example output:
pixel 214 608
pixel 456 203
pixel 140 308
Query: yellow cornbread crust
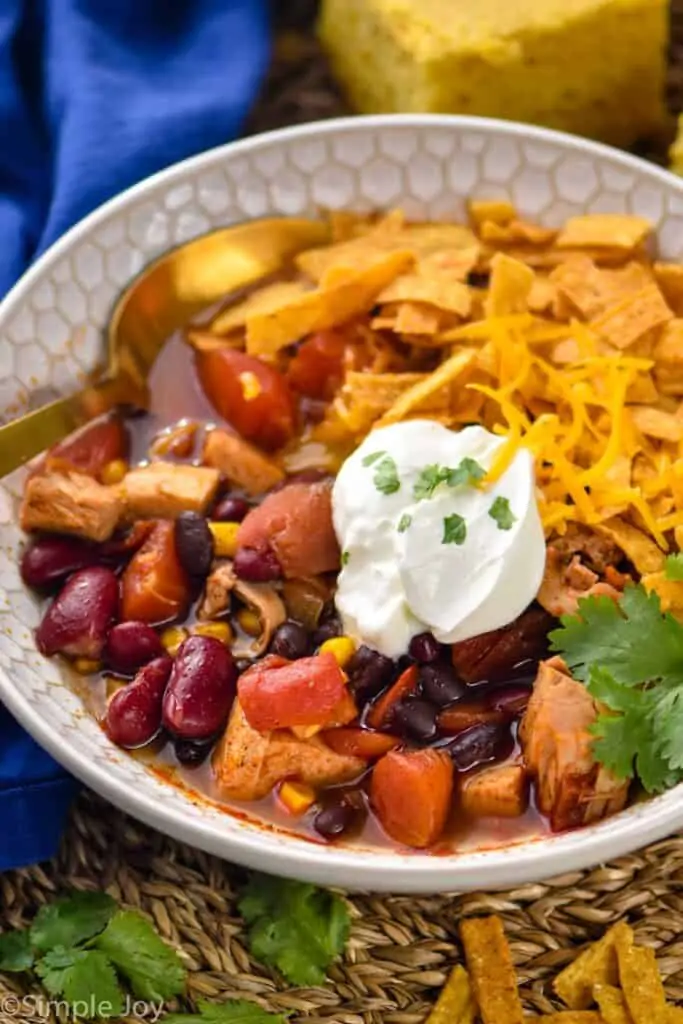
pixel 592 67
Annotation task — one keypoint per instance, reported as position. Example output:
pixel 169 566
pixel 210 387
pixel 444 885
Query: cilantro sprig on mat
pixel 294 926
pixel 630 656
pixel 83 947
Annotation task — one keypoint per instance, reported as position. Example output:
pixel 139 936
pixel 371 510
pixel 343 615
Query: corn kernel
pixel 86 666
pixel 224 539
pixel 220 630
pixel 172 638
pixel 297 797
pixel 342 649
pixel 249 621
pixel 113 472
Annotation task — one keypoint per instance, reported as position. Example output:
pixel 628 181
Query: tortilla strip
pixel 612 230
pixel 596 965
pixel 509 288
pixel 641 984
pixel 491 972
pixel 264 300
pixel 455 1004
pixel 415 397
pixel 635 544
pixel 612 1003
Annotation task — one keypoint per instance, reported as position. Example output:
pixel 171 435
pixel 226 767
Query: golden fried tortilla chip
pixel 636 545
pixel 328 307
pixel 499 211
pixel 345 225
pixel 668 357
pixel 596 965
pixel 641 984
pixel 426 390
pixel 203 341
pixel 633 317
pixel 516 232
pixel 422 240
pixel 542 295
pixel 612 230
pixel 417 318
pixel 509 288
pixel 669 592
pixel 455 1004
pixel 612 1005
pixel 365 397
pixel 434 289
pixel 264 300
pixel 665 426
pixel 492 975
pixel 569 1017
pixel 669 277
pixel 591 290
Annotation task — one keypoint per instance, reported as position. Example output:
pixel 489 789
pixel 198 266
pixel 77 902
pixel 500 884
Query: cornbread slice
pixel 593 67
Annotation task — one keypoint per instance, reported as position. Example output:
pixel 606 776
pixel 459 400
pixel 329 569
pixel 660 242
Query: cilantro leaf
pixel 345 557
pixel 386 476
pixel 633 640
pixel 454 529
pixel 468 471
pixel 154 970
pixel 71 920
pixel 235 1011
pixel 15 951
pixel 501 512
pixel 294 926
pixel 673 567
pixel 404 522
pixel 85 978
pixel 427 482
pixel 373 457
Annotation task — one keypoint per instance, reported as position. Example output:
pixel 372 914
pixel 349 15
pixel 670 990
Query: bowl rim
pixel 285 853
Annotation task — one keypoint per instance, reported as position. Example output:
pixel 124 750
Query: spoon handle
pixel 31 434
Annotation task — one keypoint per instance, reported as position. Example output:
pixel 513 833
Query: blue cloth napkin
pixel 94 96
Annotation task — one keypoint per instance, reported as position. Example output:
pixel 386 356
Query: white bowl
pixel 51 332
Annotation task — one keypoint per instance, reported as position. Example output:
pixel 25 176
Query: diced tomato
pixel 249 394
pixel 303 692
pixel 411 795
pixel 154 586
pixel 379 716
pixel 363 743
pixel 317 369
pixel 90 449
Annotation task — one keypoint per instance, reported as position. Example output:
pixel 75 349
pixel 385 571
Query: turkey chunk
pixel 248 764
pixel 572 788
pixel 162 490
pixel 243 464
pixel 71 503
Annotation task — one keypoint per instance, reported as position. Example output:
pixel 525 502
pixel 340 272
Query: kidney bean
pixel 231 510
pixel 134 712
pixel 194 544
pixel 257 566
pixel 201 689
pixel 51 559
pixel 191 753
pixel 290 640
pixel 131 645
pixel 480 744
pixel 78 620
pixel 369 672
pixel 425 648
pixel 511 699
pixel 334 820
pixel 415 718
pixel 440 684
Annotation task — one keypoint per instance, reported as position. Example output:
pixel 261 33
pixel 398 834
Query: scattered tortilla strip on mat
pixel 641 983
pixel 455 1004
pixel 612 1004
pixel 492 974
pixel 568 1017
pixel 597 965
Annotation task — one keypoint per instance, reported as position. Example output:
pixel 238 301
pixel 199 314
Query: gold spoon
pixel 166 295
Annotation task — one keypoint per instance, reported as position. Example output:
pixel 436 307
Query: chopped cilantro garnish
pixel 468 471
pixel 372 458
pixel 345 556
pixel 454 529
pixel 502 513
pixel 630 656
pixel 404 522
pixel 673 567
pixel 386 476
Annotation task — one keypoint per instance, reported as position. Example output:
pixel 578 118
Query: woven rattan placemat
pixel 401 948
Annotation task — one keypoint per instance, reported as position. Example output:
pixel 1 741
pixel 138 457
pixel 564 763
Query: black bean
pixel 333 821
pixel 440 684
pixel 425 648
pixel 194 544
pixel 416 719
pixel 231 510
pixel 488 741
pixel 329 627
pixel 369 672
pixel 191 753
pixel 290 640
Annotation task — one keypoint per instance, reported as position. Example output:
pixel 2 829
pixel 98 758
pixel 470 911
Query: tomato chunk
pixel 317 369
pixel 303 692
pixel 90 449
pixel 154 586
pixel 363 743
pixel 411 795
pixel 252 396
pixel 379 716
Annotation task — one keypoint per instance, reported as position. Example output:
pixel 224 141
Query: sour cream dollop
pixel 424 547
